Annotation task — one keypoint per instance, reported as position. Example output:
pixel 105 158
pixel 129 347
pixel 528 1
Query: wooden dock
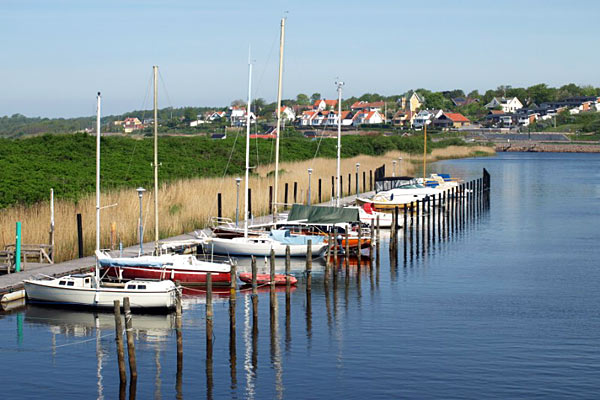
pixel 14 281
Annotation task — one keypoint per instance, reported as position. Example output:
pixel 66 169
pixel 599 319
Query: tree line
pixel 177 118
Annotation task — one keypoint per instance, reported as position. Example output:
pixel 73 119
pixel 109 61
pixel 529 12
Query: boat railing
pixel 221 221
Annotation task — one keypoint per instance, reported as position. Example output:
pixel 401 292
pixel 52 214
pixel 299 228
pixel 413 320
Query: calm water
pixel 507 307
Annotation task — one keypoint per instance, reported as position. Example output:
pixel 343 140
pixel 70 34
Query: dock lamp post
pixel 393 167
pixel 310 170
pixel 141 191
pixel 357 183
pixel 237 200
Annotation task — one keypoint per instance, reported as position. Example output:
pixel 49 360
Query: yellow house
pixel 414 103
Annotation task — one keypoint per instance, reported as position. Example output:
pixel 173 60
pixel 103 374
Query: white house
pixel 332 118
pixel 368 117
pixel 237 116
pixel 425 117
pixel 307 117
pixel 197 122
pixel 324 104
pixel 507 105
pixel 287 114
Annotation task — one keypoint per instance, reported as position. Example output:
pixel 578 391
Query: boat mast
pixel 281 42
pixel 247 144
pixel 97 269
pixel 339 142
pixel 156 249
pixel 99 99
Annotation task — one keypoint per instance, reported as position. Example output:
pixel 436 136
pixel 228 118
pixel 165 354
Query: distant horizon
pixel 57 56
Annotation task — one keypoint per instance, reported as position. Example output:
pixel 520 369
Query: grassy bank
pixel 187 204
pixel 30 167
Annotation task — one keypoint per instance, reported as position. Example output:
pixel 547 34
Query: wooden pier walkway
pixel 14 281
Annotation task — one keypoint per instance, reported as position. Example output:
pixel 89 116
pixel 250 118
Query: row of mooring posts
pixel 435 218
pixel 331 274
pixel 430 219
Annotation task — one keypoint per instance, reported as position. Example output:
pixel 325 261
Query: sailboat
pixel 260 245
pixel 87 290
pixel 183 268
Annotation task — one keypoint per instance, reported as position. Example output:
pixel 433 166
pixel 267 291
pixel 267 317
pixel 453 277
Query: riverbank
pixel 189 204
pixel 538 147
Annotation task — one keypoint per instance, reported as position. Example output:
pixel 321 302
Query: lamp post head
pixel 310 170
pixel 140 191
pixel 238 180
pixel 357 165
pixel 394 162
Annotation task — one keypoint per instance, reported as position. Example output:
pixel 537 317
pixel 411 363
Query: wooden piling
pixel 178 330
pixel 249 204
pixel 272 271
pixel 347 249
pixel 285 195
pixel 336 250
pixel 349 184
pixel 254 284
pixel 377 244
pixel 79 236
pixel 372 244
pixel 358 252
pixel 320 197
pixel 308 264
pixel 364 186
pixel 119 340
pixel 332 187
pixel 295 192
pixel 287 269
pixel 209 314
pixel 130 339
pixel 219 206
pixel 270 198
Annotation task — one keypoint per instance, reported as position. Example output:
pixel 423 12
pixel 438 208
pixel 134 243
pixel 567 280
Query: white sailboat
pixel 184 268
pixel 87 290
pixel 263 244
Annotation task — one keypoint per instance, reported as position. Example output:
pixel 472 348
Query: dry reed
pixel 189 204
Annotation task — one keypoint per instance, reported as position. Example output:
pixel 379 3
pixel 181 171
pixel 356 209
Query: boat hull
pixel 265 279
pixel 184 277
pixel 259 247
pixel 45 292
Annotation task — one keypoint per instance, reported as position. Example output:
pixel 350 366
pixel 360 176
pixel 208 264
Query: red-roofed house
pixel 325 104
pixel 307 117
pixel 366 106
pixel 287 114
pixel 332 118
pixel 368 117
pixel 132 124
pixel 451 120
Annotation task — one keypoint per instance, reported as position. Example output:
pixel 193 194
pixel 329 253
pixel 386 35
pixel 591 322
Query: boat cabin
pixel 77 280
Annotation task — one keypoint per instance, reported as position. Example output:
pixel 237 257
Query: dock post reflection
pixel 288 300
pixel 308 290
pixel 232 327
pixel 178 332
pixel 209 337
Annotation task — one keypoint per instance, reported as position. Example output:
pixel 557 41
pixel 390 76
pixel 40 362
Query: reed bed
pixel 189 204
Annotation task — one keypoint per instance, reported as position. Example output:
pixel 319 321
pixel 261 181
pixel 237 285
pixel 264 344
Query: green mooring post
pixel 18 248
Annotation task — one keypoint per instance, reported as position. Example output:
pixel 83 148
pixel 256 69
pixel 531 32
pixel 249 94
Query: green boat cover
pixel 323 215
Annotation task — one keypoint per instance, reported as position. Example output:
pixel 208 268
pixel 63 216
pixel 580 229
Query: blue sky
pixel 58 53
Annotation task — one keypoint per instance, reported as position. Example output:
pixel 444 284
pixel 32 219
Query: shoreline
pixel 537 147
